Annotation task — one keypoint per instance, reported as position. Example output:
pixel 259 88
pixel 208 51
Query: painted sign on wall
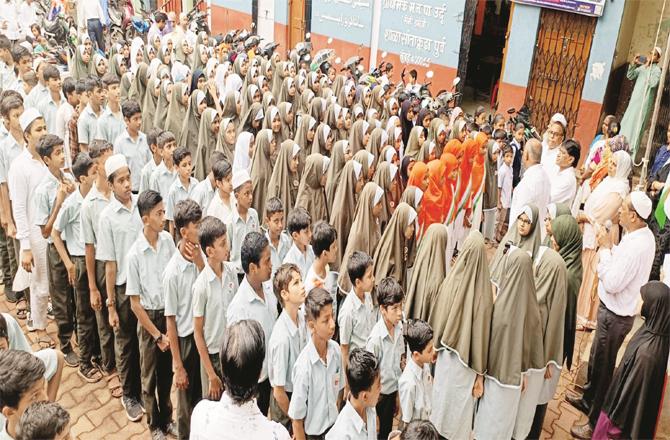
pixel 348 20
pixel 585 7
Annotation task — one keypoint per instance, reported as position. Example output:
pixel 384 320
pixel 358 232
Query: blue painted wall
pixel 521 44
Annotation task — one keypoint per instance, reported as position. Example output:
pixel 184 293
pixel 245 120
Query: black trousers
pixel 62 298
pixel 611 330
pixel 94 27
pixel 127 348
pixel 385 411
pixel 187 399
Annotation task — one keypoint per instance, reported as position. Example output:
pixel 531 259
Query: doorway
pixel 485 54
pixel 297 22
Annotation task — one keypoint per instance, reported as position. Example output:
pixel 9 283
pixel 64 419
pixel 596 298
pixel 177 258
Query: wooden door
pixel 559 66
pixel 296 16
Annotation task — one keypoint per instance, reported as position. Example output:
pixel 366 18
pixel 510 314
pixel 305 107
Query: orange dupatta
pixel 432 204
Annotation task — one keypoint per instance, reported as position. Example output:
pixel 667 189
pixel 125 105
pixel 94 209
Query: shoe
pixel 578 402
pixel 157 434
pixel 584 432
pixel 133 409
pixel 50 311
pixel 29 322
pixel 171 430
pixel 71 359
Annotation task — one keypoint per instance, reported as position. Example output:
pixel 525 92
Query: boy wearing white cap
pixel 25 174
pixel 119 225
pixel 622 270
pixel 244 219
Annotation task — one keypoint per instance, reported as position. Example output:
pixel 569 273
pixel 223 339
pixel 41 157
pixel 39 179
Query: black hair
pixel 323 235
pixel 252 247
pixel 480 109
pixel 82 163
pixel 221 169
pixel 316 300
pixel 69 87
pixel 215 157
pixel 147 201
pixel 19 370
pixel 272 206
pixel 164 138
pixel 362 371
pixel 19 52
pixel 507 149
pixel 10 93
pixel 109 79
pixel 357 266
pixel 152 136
pixel 8 104
pixel 210 230
pixel 389 292
pixel 413 73
pixel 499 134
pixel 417 334
pixel 160 16
pixel 130 108
pixel 47 144
pixel 486 129
pixel 497 118
pixel 282 278
pixel 519 126
pixel 5 43
pixel 45 420
pixel 180 154
pixel 186 211
pixel 471 126
pixel 419 430
pixel 573 148
pixel 97 147
pixel 82 86
pixel 93 83
pixel 242 354
pixel 4 331
pixel 50 72
pixel 298 220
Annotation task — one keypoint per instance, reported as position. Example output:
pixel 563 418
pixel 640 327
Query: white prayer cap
pixel 240 177
pixel 388 156
pixel 658 51
pixel 379 193
pixel 371 159
pixel 326 163
pixel 558 117
pixel 418 195
pixel 28 116
pixel 114 163
pixel 641 203
pixel 393 170
pixel 412 216
pixel 27 46
pixel 357 169
pixel 260 115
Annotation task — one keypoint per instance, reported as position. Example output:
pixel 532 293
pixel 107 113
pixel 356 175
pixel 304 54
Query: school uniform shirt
pixel 68 223
pixel 176 194
pixel 505 179
pixel 110 125
pixel 63 117
pixel 302 260
pixel 89 214
pixel 145 177
pixel 248 305
pixel 315 388
pixel 239 228
pixel 548 161
pixel 27 17
pixel 203 193
pixel 9 150
pixel 118 229
pixel 356 320
pixel 278 253
pixel 45 197
pixel 137 154
pixel 19 86
pixel 7 76
pixel 225 420
pixel 87 125
pixel 25 175
pixel 387 349
pixel 564 186
pixel 415 389
pixel 178 280
pixel 220 210
pixel 36 96
pixel 350 426
pixel 162 179
pixel 144 275
pixel 286 343
pixel 534 188
pixel 4 435
pixel 48 108
pixel 312 280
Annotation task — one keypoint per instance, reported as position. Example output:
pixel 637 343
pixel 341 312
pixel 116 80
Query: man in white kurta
pixel 534 188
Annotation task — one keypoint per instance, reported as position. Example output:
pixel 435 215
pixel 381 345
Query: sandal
pixel 90 374
pixel 114 385
pixel 21 309
pixel 46 342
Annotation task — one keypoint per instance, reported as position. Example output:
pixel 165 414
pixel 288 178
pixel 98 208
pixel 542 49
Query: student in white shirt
pixel 7 76
pixel 564 184
pixel 183 185
pixel 280 241
pixel 244 219
pixel 301 253
pixel 64 115
pixel 165 173
pixel 416 383
pixel 222 205
pixel 505 180
pixel 204 191
pixel 51 103
pixel 156 158
pixel 324 245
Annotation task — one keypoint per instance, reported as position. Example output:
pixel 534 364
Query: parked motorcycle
pixel 125 23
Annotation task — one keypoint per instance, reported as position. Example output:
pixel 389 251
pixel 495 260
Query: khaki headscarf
pixel 357 134
pixel 335 171
pixel 384 179
pixel 229 105
pixel 206 143
pixel 149 105
pixel 176 111
pixel 365 234
pixel 378 140
pixel 413 148
pixel 344 208
pixel 284 183
pixel 390 258
pixel 287 124
pixel 262 165
pixel 311 194
pixel 227 149
pixel 188 136
pixel 363 157
pixel 306 123
pixel 138 87
pixel 247 119
pixel 268 101
pixel 79 69
pixel 515 349
pixel 126 81
pixel 284 93
pixel 319 144
pixel 160 114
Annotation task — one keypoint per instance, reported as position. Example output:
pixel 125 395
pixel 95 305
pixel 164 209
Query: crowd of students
pixel 276 240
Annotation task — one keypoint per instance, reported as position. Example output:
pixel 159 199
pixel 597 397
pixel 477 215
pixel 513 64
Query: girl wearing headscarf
pixel 188 135
pixel 225 142
pixel 433 198
pixel 368 161
pixel 414 143
pixel 261 167
pixel 116 66
pixel 138 87
pixel 516 355
pixel 359 136
pixel 163 103
pixel 149 104
pixel 284 181
pixel 207 134
pixel 617 143
pixel 340 155
pixel 344 126
pixel 126 82
pixel 553 210
pixel 244 151
pixel 450 185
pixel 304 137
pixel 490 195
pixel 419 176
pixel 602 205
pixel 81 64
pixel 391 256
pixel 344 206
pixel 287 121
pixel 99 65
pixel 230 106
pixel 430 259
pixel 198 81
pixel 250 96
pixel 460 314
pixel 317 109
pixel 323 140
pixel 407 114
pixel 365 234
pixel 288 91
pixel 252 120
pixel 136 54
pixel 311 193
pixel 177 109
pixel 378 139
pixel 633 402
pixel 385 178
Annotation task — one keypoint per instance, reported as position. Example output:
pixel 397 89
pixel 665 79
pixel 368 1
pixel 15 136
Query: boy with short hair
pixel 254 299
pixel 67 227
pixel 505 182
pixel 324 244
pixel 213 291
pixel 44 420
pixel 300 253
pixel 164 175
pixel 64 115
pixel 21 383
pixel 23 63
pixel 50 195
pixel 244 218
pixel 182 186
pixel 7 76
pixel 222 205
pixel 204 191
pixel 39 91
pixel 318 373
pixel 387 344
pixel 118 227
pixel 357 314
pixel 358 418
pixel 87 123
pixel 179 277
pixel 415 384
pixel 151 251
pixel 156 156
pixel 289 337
pixel 111 121
pixel 280 241
pixel 132 143
pixel 48 106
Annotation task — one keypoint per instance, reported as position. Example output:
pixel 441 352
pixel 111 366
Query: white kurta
pixel 535 189
pixel 527 403
pixel 496 413
pixel 549 386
